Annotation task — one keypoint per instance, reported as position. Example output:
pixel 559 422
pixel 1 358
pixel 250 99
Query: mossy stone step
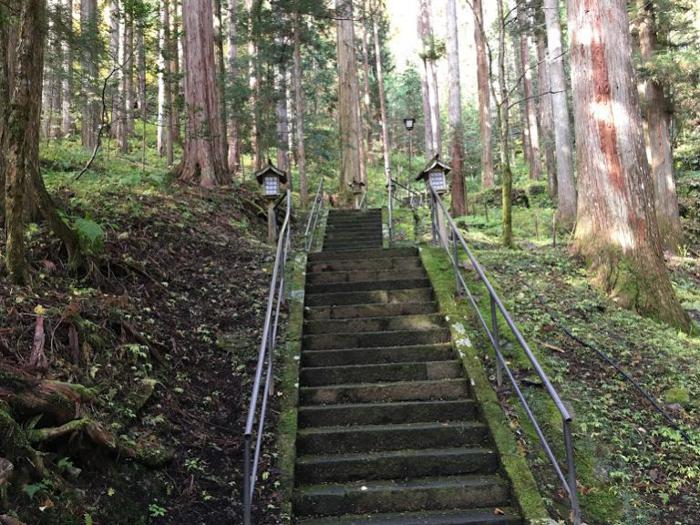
pixel 397 391
pixel 395 464
pixel 387 372
pixel 342 246
pixel 390 354
pixel 334 499
pixel 355 227
pixel 375 339
pixel 388 263
pixel 387 413
pixel 364 275
pixel 369 310
pixel 378 253
pixel 396 282
pixel 368 438
pixel 488 516
pixel 375 324
pixel 369 297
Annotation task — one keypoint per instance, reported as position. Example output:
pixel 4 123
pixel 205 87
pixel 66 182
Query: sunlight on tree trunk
pixel 459 204
pixel 203 161
pixel 616 229
pixel 484 94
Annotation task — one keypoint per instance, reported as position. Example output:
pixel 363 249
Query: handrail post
pixel 390 211
pixel 496 340
pixel 455 252
pixel 571 474
pixel 247 494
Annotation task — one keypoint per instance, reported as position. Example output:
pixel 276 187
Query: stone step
pixel 350 224
pixel 374 339
pixel 335 499
pixel 363 275
pixel 352 213
pixel 487 516
pixel 394 283
pixel 387 413
pixel 395 464
pixel 368 438
pixel 355 227
pixel 369 310
pixel 389 354
pixel 340 247
pixel 370 297
pixel 371 392
pixel 388 372
pixel 375 324
pixel 389 263
pixel 364 254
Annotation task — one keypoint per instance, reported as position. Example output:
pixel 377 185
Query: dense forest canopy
pixel 130 135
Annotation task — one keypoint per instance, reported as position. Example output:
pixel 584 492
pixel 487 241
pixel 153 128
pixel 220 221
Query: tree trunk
pixel 429 55
pixel 89 30
pixel 566 186
pixel 165 99
pixel 221 78
pixel 530 104
pixel 299 112
pixel 382 99
pixel 234 159
pixel 141 71
pixel 366 94
pixel 116 58
pixel 657 120
pixel 66 88
pixel 504 129
pixel 126 109
pixel 616 229
pixel 253 8
pixel 282 120
pixel 482 74
pixel 348 104
pixel 520 103
pixel 459 205
pixel 545 114
pixel 203 152
pixel 176 79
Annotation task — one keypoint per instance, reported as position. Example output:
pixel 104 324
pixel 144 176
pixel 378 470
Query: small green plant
pixel 156 511
pixel 90 234
pixel 32 489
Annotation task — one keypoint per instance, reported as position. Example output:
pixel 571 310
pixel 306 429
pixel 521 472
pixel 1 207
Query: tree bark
pixel 221 78
pixel 386 148
pixel 429 55
pixel 165 94
pixel 482 74
pixel 545 115
pixel 299 112
pixel 504 129
pixel 282 120
pixel 253 8
pixel 657 121
pixel 89 30
pixel 616 229
pixel 530 104
pixel 203 153
pixel 459 204
pixel 116 58
pixel 366 94
pixel 566 186
pixel 234 159
pixel 66 88
pixel 141 70
pixel 126 125
pixel 8 47
pixel 348 103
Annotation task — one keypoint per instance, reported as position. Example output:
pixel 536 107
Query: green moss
pixel 524 486
pixel 288 384
pixel 677 395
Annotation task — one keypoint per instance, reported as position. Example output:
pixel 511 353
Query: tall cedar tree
pixel 616 230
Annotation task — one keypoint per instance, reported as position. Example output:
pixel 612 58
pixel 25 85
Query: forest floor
pixel 635 468
pixel 165 328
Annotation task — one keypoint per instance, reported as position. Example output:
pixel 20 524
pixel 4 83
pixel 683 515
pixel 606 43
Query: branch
pixel 550 92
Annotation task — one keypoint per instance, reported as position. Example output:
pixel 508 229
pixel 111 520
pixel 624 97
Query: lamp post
pixel 409 124
pixel 435 177
pixel 270 179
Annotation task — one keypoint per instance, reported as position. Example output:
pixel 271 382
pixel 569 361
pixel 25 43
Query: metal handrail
pixel 568 480
pixel 264 370
pixel 363 202
pixel 312 221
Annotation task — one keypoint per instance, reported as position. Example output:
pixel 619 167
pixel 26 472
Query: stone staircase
pixel 388 431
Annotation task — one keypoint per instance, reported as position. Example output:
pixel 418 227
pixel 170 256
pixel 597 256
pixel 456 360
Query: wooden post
pixel 271 223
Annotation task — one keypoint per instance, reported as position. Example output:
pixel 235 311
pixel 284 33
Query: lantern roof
pixel 434 164
pixel 271 169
